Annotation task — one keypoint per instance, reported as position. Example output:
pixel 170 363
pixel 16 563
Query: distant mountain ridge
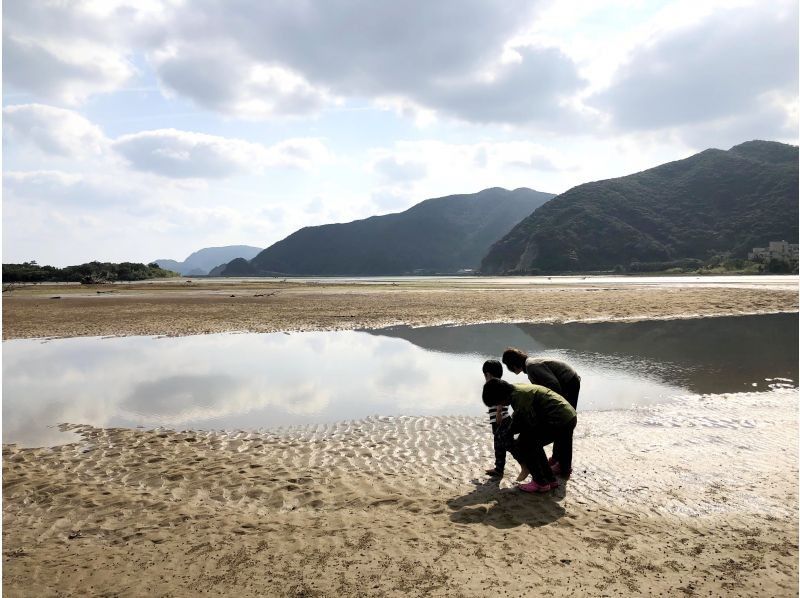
pixel 201 262
pixel 440 235
pixel 713 202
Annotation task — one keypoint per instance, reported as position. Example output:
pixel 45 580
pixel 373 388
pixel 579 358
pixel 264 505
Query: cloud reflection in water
pixel 251 381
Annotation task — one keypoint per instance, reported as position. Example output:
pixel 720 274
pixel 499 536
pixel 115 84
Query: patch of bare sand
pixel 272 306
pixel 694 497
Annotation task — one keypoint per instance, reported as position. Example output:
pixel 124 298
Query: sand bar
pixel 696 497
pixel 202 306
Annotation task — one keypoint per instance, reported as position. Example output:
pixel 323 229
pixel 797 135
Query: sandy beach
pixel 251 305
pixel 695 497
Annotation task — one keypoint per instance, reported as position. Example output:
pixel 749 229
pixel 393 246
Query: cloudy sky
pixel 144 129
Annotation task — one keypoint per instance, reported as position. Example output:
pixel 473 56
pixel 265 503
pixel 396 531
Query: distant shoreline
pixel 409 276
pixel 182 307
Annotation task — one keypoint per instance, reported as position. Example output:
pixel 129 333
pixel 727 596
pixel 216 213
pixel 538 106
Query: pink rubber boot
pixel 534 487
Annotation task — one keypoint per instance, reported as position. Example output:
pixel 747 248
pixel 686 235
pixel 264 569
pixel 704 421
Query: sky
pixel 136 130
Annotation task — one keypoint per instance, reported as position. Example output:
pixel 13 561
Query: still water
pixel 266 381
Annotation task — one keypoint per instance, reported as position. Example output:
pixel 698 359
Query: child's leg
pixel 499 453
pixel 499 448
pixel 506 433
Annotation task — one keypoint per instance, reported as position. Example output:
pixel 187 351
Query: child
pixel 501 426
pixel 498 415
pixel 540 416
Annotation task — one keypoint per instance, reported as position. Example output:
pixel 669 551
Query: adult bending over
pixel 550 373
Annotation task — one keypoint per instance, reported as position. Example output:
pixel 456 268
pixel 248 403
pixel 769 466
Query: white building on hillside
pixel 777 250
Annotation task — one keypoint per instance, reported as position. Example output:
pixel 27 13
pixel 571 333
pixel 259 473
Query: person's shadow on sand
pixel 511 507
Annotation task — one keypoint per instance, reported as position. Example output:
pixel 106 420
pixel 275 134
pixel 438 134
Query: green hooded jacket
pixel 537 406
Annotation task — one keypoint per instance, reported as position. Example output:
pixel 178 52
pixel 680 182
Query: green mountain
pixel 710 203
pixel 442 235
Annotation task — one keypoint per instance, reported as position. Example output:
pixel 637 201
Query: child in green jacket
pixel 540 416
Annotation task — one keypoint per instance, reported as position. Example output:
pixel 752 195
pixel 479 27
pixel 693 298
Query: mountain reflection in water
pixel 702 355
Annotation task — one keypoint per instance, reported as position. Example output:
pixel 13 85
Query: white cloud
pixel 68 51
pixel 220 78
pixel 62 188
pixel 136 194
pixel 448 58
pixel 431 157
pixel 774 116
pixel 68 74
pixel 304 153
pixel 275 59
pixel 53 130
pixel 73 218
pixel 166 152
pixel 710 71
pixel 169 195
pixel 448 168
pixel 184 154
pixel 544 94
pixel 524 85
pixel 359 46
pixel 421 116
pixel 515 63
pixel 314 205
pixel 173 153
pixel 389 202
pixel 533 89
pixel 398 170
pixel 271 215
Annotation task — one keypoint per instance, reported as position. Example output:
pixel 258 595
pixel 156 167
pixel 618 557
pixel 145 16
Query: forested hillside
pixel 442 235
pixel 715 202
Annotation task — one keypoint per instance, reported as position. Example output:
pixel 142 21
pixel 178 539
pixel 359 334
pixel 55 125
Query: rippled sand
pixel 214 305
pixel 694 497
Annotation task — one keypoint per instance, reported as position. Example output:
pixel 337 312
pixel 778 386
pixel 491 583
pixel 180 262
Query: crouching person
pixel 541 416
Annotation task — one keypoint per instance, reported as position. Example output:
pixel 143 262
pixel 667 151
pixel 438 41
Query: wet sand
pixel 694 497
pixel 178 307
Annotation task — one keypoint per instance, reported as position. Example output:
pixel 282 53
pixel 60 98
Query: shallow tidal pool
pixel 266 381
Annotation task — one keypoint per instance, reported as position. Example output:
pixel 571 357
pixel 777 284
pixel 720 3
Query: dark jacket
pixel 552 374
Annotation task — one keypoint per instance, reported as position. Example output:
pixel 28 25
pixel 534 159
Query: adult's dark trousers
pixel 530 449
pixel 563 452
pixel 571 391
pixel 562 445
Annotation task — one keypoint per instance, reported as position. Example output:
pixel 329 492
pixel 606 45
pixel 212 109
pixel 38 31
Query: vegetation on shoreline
pixel 715 265
pixel 91 273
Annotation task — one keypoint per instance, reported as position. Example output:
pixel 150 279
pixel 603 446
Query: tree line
pixel 91 273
